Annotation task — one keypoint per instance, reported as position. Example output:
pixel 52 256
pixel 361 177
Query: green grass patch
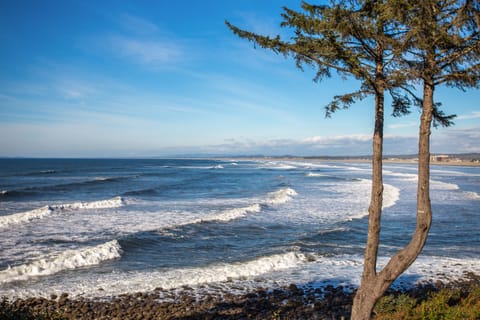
pixel 445 304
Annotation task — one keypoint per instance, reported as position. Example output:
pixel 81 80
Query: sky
pixel 163 78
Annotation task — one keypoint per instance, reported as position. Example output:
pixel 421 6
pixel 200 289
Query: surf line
pixel 28 216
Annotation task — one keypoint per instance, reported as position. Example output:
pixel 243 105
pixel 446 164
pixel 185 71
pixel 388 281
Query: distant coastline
pixel 465 159
pixel 472 160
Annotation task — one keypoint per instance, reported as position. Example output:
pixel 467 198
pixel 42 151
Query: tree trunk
pixel 367 295
pixel 374 285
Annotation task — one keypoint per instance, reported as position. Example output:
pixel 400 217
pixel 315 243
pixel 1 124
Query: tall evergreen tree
pixel 356 39
pixel 442 47
pixel 386 45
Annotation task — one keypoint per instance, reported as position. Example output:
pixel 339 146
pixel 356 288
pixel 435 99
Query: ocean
pixel 99 228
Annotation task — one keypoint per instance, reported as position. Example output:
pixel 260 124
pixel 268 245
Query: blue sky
pixel 159 78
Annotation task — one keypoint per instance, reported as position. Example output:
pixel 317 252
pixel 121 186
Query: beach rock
pixel 291 302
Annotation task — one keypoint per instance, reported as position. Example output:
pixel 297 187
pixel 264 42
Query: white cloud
pixel 140 41
pixel 311 146
pixel 403 125
pixel 457 140
pixel 146 52
pixel 472 115
pixel 138 25
pixel 261 25
pixel 335 140
pixel 75 89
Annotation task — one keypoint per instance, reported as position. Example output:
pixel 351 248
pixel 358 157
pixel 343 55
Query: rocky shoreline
pixel 291 302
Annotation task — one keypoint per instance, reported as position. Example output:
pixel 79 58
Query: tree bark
pixel 374 285
pixel 367 295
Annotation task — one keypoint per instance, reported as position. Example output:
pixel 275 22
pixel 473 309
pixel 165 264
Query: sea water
pixel 97 228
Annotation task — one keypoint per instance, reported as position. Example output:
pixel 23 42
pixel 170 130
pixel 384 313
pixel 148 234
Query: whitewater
pixel 99 228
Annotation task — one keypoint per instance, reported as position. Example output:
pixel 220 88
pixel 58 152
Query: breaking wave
pixel 67 260
pixel 226 272
pixel 473 195
pixel 216 274
pixel 27 216
pixel 231 214
pixel 280 196
pixel 273 198
pixel 439 185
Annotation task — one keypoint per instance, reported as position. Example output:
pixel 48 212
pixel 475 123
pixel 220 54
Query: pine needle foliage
pixel 351 38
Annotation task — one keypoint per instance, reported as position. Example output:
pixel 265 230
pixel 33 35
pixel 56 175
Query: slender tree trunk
pixel 367 295
pixel 374 285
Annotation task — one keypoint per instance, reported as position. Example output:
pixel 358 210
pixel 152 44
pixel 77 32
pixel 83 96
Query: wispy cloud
pixel 469 116
pixel 336 140
pixel 256 23
pixel 6 97
pixel 311 146
pixel 457 140
pixel 74 89
pixel 146 52
pixel 403 125
pixel 139 41
pixel 138 25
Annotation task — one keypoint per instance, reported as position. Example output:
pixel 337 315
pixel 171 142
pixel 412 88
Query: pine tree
pixel 388 46
pixel 356 39
pixel 442 48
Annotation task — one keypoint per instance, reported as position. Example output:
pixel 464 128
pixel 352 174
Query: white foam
pixel 226 272
pixel 278 165
pixel 219 166
pixel 231 214
pixel 403 176
pixel 313 174
pixel 23 217
pixel 3 192
pixel 472 195
pixel 434 184
pixel 357 216
pixel 280 196
pixel 67 260
pixel 270 271
pixel 101 204
pixel 128 282
pixel 346 270
pixel 27 216
pixel 439 185
pixel 391 195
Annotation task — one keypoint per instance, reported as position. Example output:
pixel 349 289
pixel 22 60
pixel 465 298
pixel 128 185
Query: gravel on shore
pixel 291 302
